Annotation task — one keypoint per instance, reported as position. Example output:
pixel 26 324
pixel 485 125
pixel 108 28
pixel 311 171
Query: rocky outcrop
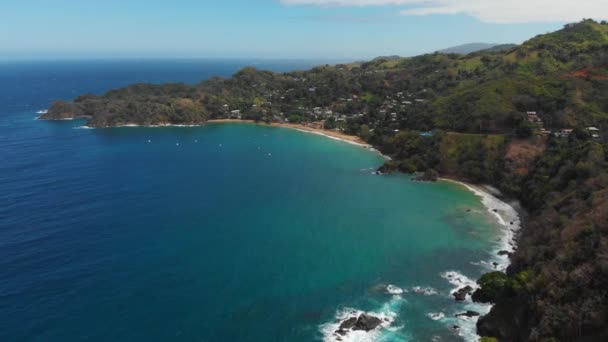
pixel 468 313
pixel 364 322
pixel 462 293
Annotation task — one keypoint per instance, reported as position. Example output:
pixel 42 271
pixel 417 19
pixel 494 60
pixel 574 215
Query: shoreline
pixel 509 219
pixel 351 139
pixel 346 138
pixel 506 214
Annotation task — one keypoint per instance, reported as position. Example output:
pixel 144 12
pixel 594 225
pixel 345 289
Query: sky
pixel 273 29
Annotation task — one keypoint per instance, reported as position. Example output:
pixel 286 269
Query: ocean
pixel 227 232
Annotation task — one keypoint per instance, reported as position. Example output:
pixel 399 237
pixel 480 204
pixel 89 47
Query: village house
pixel 235 114
pixel 533 117
pixel 545 132
pixel 564 133
pixel 594 132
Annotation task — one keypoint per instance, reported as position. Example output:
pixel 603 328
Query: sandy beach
pixel 327 133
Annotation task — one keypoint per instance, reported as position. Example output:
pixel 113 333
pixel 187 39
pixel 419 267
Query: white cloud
pixel 494 11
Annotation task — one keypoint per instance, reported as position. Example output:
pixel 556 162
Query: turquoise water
pixel 228 232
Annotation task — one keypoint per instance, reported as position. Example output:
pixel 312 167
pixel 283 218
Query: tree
pixel 365 133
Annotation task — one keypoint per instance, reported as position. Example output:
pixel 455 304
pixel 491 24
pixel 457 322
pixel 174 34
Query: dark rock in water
pixel 364 322
pixel 456 327
pixel 469 313
pixel 495 264
pixel 495 210
pixel 501 253
pixel 511 222
pixel 462 293
pixel 348 324
pixel 468 210
pixel 367 322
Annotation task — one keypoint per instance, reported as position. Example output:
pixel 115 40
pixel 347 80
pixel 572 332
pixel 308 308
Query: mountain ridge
pixel 465 49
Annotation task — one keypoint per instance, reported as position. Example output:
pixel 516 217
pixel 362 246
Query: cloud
pixel 492 11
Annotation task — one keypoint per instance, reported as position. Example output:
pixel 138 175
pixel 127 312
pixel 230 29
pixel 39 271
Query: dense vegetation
pixel 465 117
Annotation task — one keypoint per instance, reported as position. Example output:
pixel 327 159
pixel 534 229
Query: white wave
pixel 458 279
pixel 394 290
pixel 488 266
pixel 468 325
pixel 427 291
pixel 436 316
pixel 83 127
pixel 387 314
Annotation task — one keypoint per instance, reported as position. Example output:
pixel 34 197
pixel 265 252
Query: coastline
pixel 339 136
pixel 509 219
pixel 351 139
pixel 507 216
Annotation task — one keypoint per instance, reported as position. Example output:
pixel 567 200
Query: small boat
pixel 43 111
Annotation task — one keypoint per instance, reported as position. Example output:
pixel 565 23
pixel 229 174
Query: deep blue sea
pixel 228 232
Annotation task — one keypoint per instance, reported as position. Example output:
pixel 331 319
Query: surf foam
pixel 387 314
pixel 508 218
pixel 426 291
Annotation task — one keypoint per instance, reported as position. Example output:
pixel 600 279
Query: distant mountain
pixel 472 47
pixel 388 58
pixel 500 48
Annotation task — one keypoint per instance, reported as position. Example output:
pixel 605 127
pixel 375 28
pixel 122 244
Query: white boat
pixel 43 111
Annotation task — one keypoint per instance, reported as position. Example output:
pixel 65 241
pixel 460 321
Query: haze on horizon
pixel 273 29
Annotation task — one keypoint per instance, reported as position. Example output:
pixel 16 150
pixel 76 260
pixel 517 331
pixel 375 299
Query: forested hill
pixel 558 75
pixel 531 120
